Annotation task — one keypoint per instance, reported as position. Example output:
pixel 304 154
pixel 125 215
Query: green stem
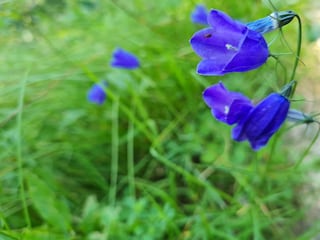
pixel 130 158
pixel 297 54
pixel 19 152
pixel 114 153
pixel 307 150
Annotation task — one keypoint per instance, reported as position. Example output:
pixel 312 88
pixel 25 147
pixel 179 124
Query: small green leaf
pixel 47 204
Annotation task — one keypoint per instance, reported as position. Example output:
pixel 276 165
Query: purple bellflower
pixel 124 59
pixel 228 46
pixel 97 94
pixel 199 15
pixel 254 123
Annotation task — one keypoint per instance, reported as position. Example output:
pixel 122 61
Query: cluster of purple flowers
pixel 120 59
pixel 227 46
pixel 254 123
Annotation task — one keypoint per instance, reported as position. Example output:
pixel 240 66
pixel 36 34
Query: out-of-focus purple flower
pixel 262 121
pixel 97 94
pixel 124 59
pixel 228 107
pixel 228 46
pixel 255 124
pixel 199 15
pixel 272 22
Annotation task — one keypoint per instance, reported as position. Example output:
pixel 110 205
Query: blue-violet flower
pixel 253 123
pixel 124 59
pixel 199 15
pixel 97 94
pixel 228 46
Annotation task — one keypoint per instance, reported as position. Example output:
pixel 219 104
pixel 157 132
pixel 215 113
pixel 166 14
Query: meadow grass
pixel 151 162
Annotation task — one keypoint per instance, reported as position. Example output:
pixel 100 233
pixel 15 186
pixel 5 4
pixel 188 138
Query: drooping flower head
pixel 97 94
pixel 228 46
pixel 254 123
pixel 124 59
pixel 199 15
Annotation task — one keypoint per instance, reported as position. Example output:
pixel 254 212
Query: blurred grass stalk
pixel 20 158
pixel 115 152
pixel 130 155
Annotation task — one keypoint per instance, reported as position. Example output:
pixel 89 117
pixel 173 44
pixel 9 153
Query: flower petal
pixel 208 43
pixel 221 101
pixel 238 110
pixel 199 15
pixel 253 53
pixel 96 94
pixel 262 121
pixel 124 59
pixel 224 23
pixel 211 67
pixel 260 142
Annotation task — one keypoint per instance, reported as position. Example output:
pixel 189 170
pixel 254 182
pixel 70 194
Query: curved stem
pixel 298 52
pixel 304 154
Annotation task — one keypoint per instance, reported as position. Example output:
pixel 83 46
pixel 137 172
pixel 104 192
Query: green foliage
pixel 47 204
pixel 151 163
pixel 143 218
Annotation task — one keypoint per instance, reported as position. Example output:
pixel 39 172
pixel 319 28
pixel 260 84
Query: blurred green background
pixel 152 162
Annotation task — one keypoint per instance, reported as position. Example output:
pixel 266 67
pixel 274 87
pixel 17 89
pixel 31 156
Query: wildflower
pixel 124 59
pixel 97 94
pixel 272 22
pixel 228 46
pixel 257 123
pixel 199 15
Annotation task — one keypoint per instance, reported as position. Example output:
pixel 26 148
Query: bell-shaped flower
pixel 254 123
pixel 124 59
pixel 199 15
pixel 97 94
pixel 262 121
pixel 228 46
pixel 228 107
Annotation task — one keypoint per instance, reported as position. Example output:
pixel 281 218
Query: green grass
pixel 152 162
